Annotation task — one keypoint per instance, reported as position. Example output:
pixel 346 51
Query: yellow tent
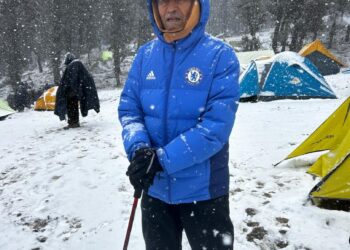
pixel 324 60
pixel 334 166
pixel 327 136
pixel 325 163
pixel 47 100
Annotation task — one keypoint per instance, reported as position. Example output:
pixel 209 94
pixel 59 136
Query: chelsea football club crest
pixel 193 76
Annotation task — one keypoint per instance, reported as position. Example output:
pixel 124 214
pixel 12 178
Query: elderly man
pixel 177 110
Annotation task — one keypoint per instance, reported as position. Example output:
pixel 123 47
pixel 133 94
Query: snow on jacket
pixel 181 98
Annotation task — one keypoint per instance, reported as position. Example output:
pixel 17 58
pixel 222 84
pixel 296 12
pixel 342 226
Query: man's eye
pixel 163 2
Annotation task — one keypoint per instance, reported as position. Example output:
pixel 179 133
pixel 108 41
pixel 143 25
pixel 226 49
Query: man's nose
pixel 172 6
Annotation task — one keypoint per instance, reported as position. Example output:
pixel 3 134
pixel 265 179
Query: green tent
pixel 5 109
pixel 106 55
pixel 246 57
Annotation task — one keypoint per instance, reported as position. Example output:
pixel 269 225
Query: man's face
pixel 174 13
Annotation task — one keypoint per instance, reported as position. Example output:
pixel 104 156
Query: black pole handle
pixel 138 193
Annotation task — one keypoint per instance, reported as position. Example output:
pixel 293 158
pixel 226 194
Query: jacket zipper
pixel 166 106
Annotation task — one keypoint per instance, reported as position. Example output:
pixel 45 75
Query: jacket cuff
pixel 136 147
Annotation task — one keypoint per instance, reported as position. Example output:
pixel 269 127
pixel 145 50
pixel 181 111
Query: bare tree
pixel 121 34
pixel 144 29
pixel 253 15
pixel 295 20
pixel 15 37
pixel 336 10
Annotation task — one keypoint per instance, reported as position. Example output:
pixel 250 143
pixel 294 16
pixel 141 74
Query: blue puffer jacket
pixel 181 98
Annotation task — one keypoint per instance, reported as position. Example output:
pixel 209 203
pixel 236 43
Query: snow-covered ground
pixel 67 189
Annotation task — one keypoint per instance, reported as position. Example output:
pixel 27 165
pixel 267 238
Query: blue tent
pixel 249 83
pixel 290 76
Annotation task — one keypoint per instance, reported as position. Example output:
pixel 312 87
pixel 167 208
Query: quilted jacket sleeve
pixel 212 132
pixel 130 112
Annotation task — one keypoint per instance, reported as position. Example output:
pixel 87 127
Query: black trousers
pixel 72 109
pixel 207 224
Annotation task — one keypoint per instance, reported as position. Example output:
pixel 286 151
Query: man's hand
pixel 143 167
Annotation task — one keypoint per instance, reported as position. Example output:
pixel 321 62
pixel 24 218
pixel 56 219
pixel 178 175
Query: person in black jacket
pixel 76 87
pixel 20 97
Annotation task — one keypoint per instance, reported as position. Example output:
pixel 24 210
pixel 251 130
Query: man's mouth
pixel 173 19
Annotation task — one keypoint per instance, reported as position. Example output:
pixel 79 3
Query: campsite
pixel 69 189
pixel 102 101
pixel 289 75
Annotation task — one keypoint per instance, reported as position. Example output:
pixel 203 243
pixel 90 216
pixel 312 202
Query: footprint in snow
pixel 235 191
pixel 81 156
pixel 280 244
pixel 89 185
pixel 251 211
pixel 96 229
pixel 260 184
pixel 267 195
pixel 257 233
pixel 74 225
pixel 122 188
pixel 282 220
pixel 252 224
pixel 283 224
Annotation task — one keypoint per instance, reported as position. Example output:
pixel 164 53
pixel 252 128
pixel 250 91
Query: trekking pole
pixel 137 195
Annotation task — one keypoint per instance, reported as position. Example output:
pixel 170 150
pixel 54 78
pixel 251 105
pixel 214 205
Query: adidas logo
pixel 151 76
